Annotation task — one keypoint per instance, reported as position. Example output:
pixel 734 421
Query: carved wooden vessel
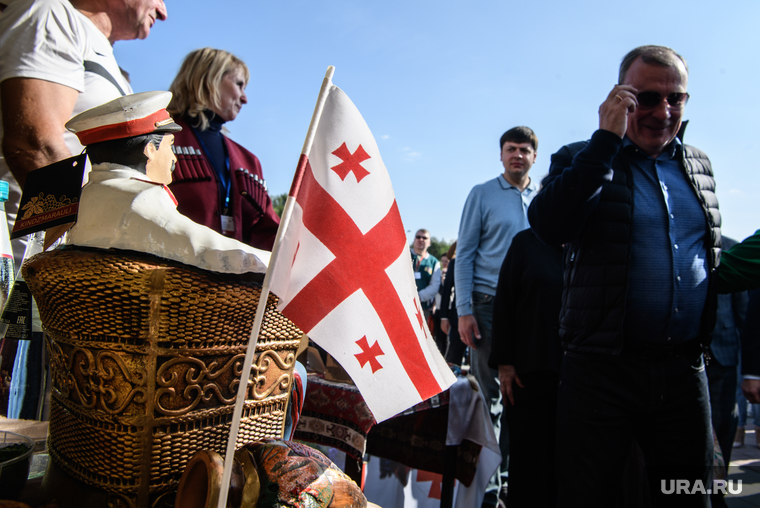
pixel 146 356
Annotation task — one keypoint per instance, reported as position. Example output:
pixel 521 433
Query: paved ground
pixel 745 466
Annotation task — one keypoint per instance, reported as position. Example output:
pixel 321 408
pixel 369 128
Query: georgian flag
pixel 343 271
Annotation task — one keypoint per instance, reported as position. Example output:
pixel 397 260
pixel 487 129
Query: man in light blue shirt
pixel 495 211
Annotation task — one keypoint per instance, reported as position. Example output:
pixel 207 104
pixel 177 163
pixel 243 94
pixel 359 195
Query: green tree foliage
pixel 278 202
pixel 439 247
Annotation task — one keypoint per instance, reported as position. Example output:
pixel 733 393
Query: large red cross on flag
pixel 343 271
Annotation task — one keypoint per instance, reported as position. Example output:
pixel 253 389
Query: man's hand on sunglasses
pixel 613 113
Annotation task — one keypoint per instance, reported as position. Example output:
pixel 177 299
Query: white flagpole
pixel 254 338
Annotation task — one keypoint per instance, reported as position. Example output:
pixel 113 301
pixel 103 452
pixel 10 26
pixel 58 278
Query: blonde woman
pixel 217 182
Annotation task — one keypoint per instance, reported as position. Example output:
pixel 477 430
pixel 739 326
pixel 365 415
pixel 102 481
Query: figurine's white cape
pixel 121 209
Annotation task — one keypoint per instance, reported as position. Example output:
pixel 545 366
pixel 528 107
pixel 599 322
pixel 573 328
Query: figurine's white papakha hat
pixel 127 116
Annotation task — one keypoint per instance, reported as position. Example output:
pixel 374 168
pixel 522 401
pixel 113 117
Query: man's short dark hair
pixel 652 55
pixel 125 151
pixel 519 135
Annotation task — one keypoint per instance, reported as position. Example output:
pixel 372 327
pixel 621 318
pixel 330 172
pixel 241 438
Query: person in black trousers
pixel 526 351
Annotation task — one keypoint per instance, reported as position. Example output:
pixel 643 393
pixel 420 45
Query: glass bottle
pixel 20 322
pixel 7 273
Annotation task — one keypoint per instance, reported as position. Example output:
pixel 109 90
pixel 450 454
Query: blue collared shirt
pixel 495 211
pixel 668 276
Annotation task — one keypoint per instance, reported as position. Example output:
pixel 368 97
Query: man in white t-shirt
pixel 56 60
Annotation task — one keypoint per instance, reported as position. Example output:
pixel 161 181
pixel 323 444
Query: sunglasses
pixel 653 99
pixel 421 237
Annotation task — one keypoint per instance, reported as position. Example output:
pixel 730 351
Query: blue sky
pixel 439 82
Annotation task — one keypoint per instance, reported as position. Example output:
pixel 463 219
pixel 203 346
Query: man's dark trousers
pixel 606 401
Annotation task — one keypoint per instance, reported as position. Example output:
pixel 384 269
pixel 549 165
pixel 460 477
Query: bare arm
pixel 34 114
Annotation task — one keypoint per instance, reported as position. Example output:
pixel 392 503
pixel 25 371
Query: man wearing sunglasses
pixel 636 210
pixel 427 272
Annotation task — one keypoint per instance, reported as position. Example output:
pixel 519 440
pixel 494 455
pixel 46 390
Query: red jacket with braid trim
pixel 196 186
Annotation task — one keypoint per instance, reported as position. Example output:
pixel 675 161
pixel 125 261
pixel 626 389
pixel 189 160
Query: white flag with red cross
pixel 343 271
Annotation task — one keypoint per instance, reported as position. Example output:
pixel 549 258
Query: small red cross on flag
pixel 369 354
pixel 343 273
pixel 351 162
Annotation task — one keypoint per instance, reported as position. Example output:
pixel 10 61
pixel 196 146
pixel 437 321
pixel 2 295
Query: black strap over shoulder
pixel 96 68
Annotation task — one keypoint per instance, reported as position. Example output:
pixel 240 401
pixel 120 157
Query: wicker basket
pixel 146 356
